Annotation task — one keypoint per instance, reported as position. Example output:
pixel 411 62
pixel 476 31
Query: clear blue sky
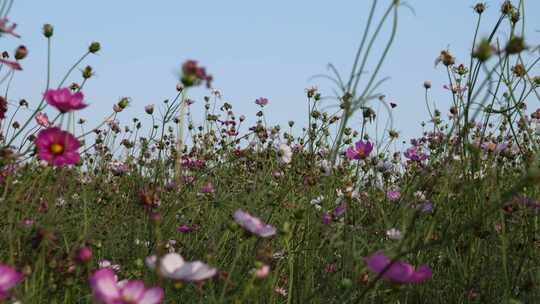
pixel 253 48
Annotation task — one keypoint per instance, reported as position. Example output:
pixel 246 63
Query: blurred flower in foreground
pixel 107 290
pixel 253 224
pixel 173 266
pixel 397 272
pixel 64 100
pixel 9 277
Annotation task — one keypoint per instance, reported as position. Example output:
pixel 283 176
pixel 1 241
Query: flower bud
pixel 427 84
pixel 94 47
pixel 479 8
pixel 87 72
pixel 21 52
pixel 149 109
pixel 48 30
pixel 483 51
pixel 507 7
pixel 84 255
pixel 519 70
pixel 516 45
pixel 124 102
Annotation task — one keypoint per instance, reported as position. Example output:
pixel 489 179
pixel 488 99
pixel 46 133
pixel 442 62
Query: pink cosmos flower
pixel 9 277
pixel 14 65
pixel 108 291
pixel 253 224
pixel 360 150
pixel 173 266
pixel 262 272
pixel 398 271
pixel 57 147
pixel 6 28
pixel 43 120
pixel 64 100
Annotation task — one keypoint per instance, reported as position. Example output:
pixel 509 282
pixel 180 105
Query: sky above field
pixel 252 48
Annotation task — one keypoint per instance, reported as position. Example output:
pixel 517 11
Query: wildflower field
pixel 166 209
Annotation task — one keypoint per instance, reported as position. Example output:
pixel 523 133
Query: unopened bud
pixel 516 45
pixel 48 30
pixel 479 8
pixel 94 47
pixel 21 52
pixel 149 109
pixel 87 72
pixel 124 102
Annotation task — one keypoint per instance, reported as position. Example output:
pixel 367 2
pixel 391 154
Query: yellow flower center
pixel 57 148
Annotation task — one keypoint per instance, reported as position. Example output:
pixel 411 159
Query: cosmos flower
pixel 43 120
pixel 6 28
pixel 14 65
pixel 57 147
pixel 64 100
pixel 394 234
pixel 9 277
pixel 393 195
pixel 261 101
pixel 253 224
pixel 108 291
pixel 173 266
pixel 361 150
pixel 262 272
pixel 397 272
pixel 285 154
pixel 414 154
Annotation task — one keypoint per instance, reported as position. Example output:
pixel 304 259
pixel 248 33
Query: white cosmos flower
pixel 173 266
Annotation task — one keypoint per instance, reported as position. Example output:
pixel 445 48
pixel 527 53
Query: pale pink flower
pixel 6 28
pixel 253 224
pixel 43 120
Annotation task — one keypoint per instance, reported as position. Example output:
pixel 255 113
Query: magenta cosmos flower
pixel 108 291
pixel 398 272
pixel 9 277
pixel 253 224
pixel 64 100
pixel 57 147
pixel 360 150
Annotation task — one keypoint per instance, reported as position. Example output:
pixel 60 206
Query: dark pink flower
pixel 14 65
pixel 108 291
pixel 398 271
pixel 360 150
pixel 253 224
pixel 84 255
pixel 9 277
pixel 57 147
pixel 187 228
pixel 64 100
pixel 6 28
